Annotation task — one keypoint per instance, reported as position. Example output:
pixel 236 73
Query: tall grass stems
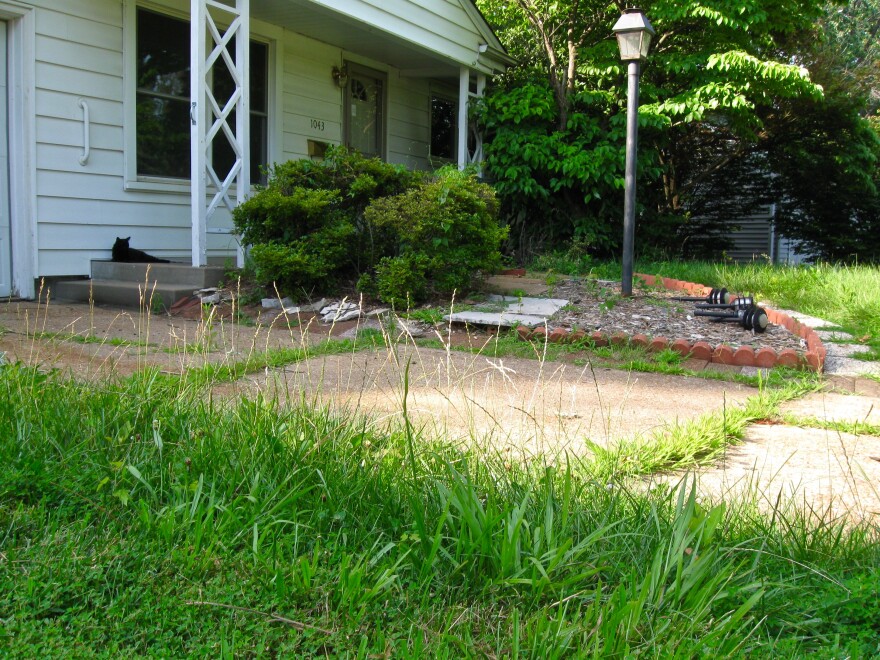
pixel 139 516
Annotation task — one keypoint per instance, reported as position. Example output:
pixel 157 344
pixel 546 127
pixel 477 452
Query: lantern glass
pixel 634 32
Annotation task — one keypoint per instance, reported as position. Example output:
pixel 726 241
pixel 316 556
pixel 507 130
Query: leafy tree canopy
pixel 723 79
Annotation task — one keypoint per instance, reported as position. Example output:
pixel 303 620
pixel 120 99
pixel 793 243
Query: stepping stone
pixel 495 319
pixel 834 407
pixel 531 306
pixel 845 350
pixel 844 366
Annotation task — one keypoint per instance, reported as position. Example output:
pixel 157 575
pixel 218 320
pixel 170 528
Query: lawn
pixel 144 517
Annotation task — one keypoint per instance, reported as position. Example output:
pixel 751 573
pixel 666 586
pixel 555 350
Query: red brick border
pixel 744 356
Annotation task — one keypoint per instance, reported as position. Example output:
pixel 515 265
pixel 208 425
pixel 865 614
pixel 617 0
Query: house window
pixel 163 101
pixel 223 157
pixel 444 127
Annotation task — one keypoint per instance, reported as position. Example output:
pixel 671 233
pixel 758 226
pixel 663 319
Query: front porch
pixel 451 54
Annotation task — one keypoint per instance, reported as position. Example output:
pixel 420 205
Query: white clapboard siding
pixel 79 44
pixel 58 105
pixel 312 102
pixel 409 126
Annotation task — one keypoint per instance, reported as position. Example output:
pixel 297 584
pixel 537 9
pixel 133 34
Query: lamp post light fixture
pixel 634 32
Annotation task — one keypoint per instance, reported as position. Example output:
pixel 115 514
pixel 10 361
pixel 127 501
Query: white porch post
pixel 209 49
pixel 465 157
pixel 464 93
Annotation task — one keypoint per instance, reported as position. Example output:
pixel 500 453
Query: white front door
pixel 5 244
pixel 365 105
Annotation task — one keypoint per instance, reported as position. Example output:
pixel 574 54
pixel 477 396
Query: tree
pixel 722 78
pixel 825 153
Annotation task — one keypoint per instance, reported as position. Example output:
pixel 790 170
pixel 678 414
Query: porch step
pixel 153 286
pixel 173 273
pixel 121 294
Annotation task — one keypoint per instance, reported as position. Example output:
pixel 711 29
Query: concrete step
pixel 121 294
pixel 173 273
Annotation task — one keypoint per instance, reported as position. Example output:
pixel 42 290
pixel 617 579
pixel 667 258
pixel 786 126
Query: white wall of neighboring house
pixel 67 213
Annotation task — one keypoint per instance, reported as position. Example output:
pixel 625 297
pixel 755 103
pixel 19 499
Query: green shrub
pixel 448 227
pixel 307 225
pixel 306 261
pixel 400 281
pixel 350 216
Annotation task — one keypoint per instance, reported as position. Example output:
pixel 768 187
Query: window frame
pixel 450 95
pixel 270 36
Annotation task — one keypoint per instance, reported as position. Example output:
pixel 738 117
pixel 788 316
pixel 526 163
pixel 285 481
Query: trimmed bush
pixel 407 235
pixel 448 227
pixel 307 225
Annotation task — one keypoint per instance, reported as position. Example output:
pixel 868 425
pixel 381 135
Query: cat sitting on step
pixel 122 252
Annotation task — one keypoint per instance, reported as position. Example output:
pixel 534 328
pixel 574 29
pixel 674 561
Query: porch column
pixel 210 49
pixel 466 157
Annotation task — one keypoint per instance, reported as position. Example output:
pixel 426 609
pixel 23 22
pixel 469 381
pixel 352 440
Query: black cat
pixel 122 252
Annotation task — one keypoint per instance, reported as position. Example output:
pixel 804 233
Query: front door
pixel 5 243
pixel 365 111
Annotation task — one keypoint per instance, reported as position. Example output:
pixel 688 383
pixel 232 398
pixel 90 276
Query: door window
pixel 365 104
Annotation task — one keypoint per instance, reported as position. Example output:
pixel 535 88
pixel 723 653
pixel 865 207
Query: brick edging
pixel 743 356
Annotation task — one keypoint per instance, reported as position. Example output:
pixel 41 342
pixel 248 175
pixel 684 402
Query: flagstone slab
pixel 834 407
pixel 530 306
pixel 496 319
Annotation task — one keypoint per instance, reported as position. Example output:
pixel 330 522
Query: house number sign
pixel 317 124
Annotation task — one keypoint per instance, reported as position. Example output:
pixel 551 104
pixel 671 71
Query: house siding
pixel 751 241
pixel 80 209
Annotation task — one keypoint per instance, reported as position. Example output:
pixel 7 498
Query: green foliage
pixel 400 281
pixel 307 225
pixel 349 217
pixel 306 261
pixel 723 95
pixel 448 235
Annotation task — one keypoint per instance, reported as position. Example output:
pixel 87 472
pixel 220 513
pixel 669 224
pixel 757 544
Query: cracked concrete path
pixel 520 406
pixel 510 404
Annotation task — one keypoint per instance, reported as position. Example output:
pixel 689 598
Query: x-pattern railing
pixel 216 49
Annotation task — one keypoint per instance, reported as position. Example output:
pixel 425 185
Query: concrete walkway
pixel 517 407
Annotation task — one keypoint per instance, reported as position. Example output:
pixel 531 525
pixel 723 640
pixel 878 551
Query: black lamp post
pixel 634 32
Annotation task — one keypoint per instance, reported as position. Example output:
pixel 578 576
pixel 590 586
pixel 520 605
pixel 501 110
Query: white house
pixel 151 118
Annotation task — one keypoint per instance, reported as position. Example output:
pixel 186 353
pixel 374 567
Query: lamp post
pixel 634 32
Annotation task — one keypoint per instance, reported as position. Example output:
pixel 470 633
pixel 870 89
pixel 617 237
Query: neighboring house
pixel 756 239
pixel 113 108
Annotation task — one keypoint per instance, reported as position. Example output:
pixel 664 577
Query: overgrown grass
pixel 140 517
pixel 686 445
pixel 845 296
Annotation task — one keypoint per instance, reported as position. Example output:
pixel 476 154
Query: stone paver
pixel 516 310
pixel 531 306
pixel 497 319
pixel 829 474
pixel 834 407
